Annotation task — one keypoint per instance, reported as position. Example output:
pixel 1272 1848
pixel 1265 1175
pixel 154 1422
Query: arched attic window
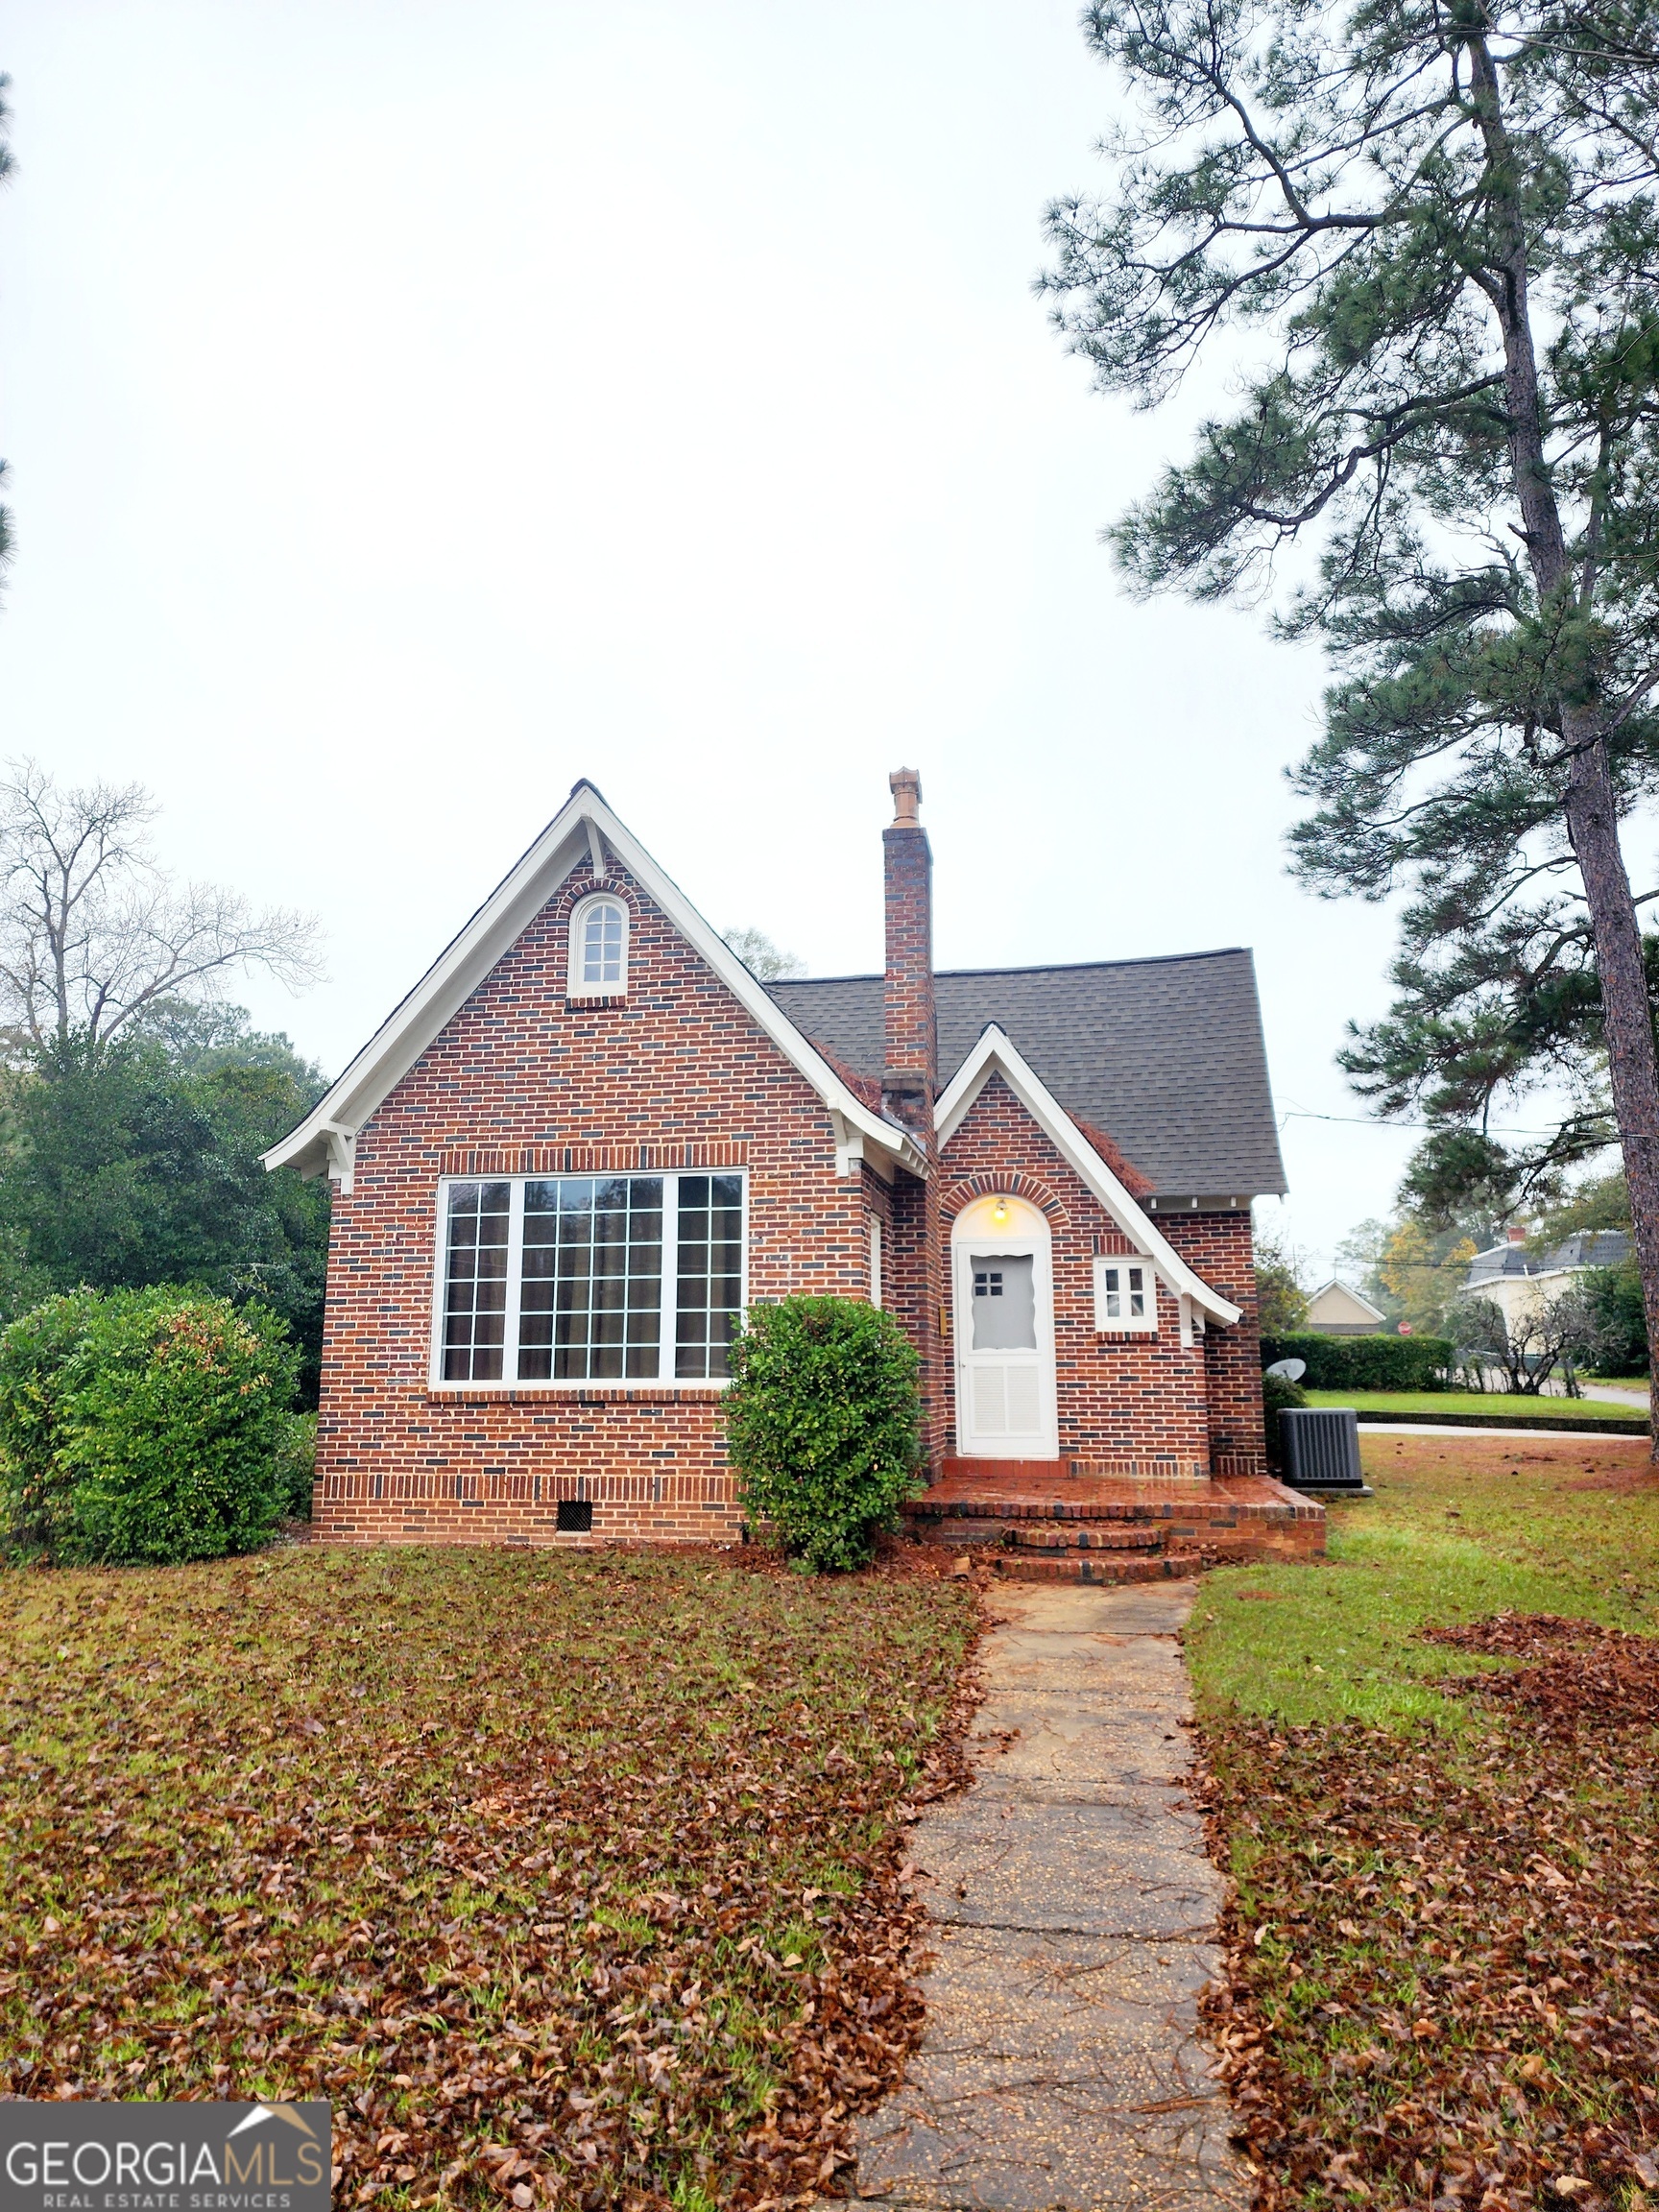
pixel 599 948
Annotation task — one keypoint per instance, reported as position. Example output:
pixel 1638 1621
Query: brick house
pixel 589 1138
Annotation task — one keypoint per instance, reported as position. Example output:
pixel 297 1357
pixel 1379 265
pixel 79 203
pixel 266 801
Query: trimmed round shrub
pixel 172 1430
pixel 37 1480
pixel 823 1423
pixel 297 1467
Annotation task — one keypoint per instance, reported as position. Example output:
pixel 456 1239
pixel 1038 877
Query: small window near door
pixel 876 1260
pixel 1125 1297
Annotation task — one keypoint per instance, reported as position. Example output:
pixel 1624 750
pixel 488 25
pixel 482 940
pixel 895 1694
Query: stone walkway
pixel 1075 1911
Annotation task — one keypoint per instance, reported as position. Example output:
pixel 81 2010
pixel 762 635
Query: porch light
pixel 1000 1211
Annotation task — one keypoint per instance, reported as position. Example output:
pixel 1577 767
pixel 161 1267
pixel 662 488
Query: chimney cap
pixel 1517 1235
pixel 906 786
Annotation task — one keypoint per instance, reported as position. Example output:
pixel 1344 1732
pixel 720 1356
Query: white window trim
pixel 669 1177
pixel 1124 1324
pixel 574 986
pixel 876 1261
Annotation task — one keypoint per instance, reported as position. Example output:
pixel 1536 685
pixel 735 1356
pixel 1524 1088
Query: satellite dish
pixel 1292 1370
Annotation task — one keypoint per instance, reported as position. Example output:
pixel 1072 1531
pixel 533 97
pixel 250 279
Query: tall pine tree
pixel 1428 233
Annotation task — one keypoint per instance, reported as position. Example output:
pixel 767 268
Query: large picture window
pixel 590 1278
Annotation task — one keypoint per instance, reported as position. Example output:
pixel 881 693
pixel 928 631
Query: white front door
pixel 1004 1332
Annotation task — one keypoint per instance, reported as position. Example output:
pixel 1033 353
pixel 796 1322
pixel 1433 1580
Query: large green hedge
pixel 823 1423
pixel 149 1426
pixel 1364 1363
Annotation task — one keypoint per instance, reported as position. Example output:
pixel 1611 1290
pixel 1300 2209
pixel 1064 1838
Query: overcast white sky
pixel 415 404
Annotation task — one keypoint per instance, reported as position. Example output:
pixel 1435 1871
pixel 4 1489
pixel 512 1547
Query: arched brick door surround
pixel 1018 1186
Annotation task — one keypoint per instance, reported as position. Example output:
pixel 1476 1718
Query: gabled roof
pixel 995 1054
pixel 1360 1304
pixel 326 1140
pixel 1164 1056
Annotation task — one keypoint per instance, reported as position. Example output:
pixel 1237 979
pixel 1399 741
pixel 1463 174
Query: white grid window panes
pixel 710 1274
pixel 598 948
pixel 574 1279
pixel 476 1282
pixel 1125 1296
pixel 591 1282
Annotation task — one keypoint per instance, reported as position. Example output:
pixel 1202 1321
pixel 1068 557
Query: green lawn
pixel 1496 1405
pixel 569 1876
pixel 1456 1530
pixel 1444 1972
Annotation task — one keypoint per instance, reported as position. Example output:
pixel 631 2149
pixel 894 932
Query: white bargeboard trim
pixel 995 1054
pixel 326 1140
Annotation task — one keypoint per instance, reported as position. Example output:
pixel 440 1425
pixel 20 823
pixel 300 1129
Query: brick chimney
pixel 910 1077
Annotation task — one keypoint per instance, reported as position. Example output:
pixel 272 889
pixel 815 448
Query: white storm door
pixel 1006 1354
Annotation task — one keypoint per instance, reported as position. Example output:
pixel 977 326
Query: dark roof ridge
pixel 1037 968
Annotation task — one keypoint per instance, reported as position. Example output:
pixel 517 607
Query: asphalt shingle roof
pixel 1584 1248
pixel 1167 1056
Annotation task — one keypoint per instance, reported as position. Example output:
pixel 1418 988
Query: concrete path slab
pixel 1075 1912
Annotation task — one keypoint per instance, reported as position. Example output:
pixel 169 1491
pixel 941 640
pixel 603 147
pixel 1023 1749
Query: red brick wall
pixel 1218 1247
pixel 674 1074
pixel 1122 1397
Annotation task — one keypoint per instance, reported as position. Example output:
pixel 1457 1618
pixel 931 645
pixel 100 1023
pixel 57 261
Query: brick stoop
pixel 1044 1524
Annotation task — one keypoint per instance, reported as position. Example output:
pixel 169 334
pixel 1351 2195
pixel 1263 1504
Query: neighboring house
pixel 1336 1311
pixel 589 1138
pixel 1521 1282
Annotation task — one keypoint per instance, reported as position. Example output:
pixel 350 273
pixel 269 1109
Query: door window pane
pixel 476 1288
pixel 709 1292
pixel 590 1293
pixel 1005 1302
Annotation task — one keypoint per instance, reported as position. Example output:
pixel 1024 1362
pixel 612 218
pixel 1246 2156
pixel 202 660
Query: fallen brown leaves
pixel 1443 1959
pixel 567 1880
pixel 1581 1676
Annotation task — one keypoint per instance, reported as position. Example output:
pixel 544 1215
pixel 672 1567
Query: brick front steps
pixel 1043 1524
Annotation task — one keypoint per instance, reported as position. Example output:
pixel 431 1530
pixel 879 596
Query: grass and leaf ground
pixel 1444 1945
pixel 567 1878
pixel 1498 1407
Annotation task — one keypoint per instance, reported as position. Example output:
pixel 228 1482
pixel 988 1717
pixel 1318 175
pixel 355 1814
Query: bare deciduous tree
pixel 6 167
pixel 93 932
pixel 762 957
pixel 1542 1341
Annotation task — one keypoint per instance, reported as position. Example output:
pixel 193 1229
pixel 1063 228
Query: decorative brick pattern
pixel 588 1158
pixel 1015 1184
